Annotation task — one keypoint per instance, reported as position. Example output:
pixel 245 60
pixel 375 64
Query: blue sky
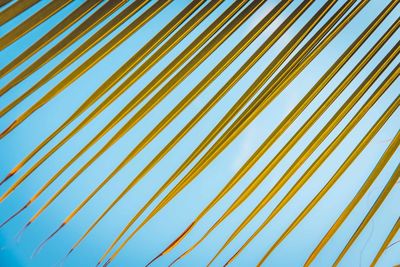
pixel 181 211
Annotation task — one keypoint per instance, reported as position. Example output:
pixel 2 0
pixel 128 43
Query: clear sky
pixel 169 223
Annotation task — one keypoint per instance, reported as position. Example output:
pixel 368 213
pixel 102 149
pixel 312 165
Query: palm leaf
pixel 95 29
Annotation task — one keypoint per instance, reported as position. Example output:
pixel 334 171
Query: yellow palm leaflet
pixel 224 63
pixel 315 165
pixel 54 32
pixel 355 97
pixel 92 21
pixel 288 70
pixel 313 145
pixel 190 41
pixel 32 22
pixel 140 54
pixel 201 56
pixel 285 124
pixel 124 34
pixel 4 2
pixel 378 202
pixel 198 41
pixel 388 239
pixel 178 61
pixel 15 9
pixel 153 198
pixel 367 184
pixel 206 51
pixel 266 97
pixel 153 59
pixel 235 78
pixel 361 145
pixel 95 58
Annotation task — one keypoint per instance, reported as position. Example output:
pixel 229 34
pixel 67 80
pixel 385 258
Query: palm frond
pixel 191 38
